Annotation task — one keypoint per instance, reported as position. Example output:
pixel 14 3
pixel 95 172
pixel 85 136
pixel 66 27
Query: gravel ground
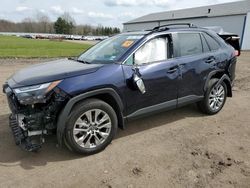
pixel 179 148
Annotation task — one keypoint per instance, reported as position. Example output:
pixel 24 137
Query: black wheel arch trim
pixel 224 78
pixel 61 123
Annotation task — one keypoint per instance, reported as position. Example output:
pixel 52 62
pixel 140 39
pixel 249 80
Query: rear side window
pixel 213 44
pixel 190 43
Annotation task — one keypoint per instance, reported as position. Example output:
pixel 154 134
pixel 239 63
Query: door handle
pixel 210 60
pixel 172 69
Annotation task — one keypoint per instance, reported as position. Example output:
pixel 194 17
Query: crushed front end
pixel 34 112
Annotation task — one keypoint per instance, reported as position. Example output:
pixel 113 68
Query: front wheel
pixel 214 99
pixel 91 126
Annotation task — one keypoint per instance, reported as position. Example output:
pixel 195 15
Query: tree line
pixel 65 24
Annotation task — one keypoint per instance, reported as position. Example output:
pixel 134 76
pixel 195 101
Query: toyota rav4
pixel 84 100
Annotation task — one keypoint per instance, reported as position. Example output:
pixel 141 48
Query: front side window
pixel 153 51
pixel 189 44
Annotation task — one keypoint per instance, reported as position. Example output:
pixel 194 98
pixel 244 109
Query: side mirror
pixel 139 83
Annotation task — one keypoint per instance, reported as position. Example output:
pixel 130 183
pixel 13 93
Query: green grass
pixel 11 47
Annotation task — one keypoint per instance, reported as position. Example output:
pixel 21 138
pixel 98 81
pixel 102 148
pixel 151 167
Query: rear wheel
pixel 91 126
pixel 214 99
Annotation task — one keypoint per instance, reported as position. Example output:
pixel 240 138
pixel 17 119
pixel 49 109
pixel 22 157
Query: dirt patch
pixel 179 148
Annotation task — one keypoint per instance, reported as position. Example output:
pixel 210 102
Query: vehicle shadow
pixel 11 155
pixel 159 119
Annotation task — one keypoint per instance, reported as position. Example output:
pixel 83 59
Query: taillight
pixel 236 53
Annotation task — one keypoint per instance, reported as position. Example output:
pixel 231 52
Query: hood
pixel 50 71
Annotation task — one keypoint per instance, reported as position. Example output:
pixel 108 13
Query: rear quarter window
pixel 212 43
pixel 189 44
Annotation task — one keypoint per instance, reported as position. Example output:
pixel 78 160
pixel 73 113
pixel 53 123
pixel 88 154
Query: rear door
pixel 195 63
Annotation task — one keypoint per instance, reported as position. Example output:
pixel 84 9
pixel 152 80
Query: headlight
pixel 34 94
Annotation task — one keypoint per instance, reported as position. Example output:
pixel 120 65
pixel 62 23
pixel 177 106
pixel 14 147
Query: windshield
pixel 109 50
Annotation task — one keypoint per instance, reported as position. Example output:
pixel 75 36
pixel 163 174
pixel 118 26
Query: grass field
pixel 11 47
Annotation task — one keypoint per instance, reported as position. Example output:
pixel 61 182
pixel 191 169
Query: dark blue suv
pixel 84 100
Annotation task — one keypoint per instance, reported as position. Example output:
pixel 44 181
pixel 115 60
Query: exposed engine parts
pixel 29 123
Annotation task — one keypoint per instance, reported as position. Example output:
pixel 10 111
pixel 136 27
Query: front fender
pixel 61 123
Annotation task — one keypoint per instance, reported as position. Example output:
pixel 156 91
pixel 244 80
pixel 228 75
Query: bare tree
pixel 28 25
pixel 43 22
pixel 7 26
pixel 71 22
pixel 68 18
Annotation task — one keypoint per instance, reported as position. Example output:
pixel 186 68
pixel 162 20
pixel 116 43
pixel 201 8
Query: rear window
pixel 213 44
pixel 190 44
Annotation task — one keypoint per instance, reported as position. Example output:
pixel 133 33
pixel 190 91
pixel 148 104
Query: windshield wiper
pixel 78 60
pixel 82 61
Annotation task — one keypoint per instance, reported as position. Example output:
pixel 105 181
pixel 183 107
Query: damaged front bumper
pixel 30 123
pixel 21 138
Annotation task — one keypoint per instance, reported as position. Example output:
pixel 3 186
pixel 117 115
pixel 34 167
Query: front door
pixel 159 73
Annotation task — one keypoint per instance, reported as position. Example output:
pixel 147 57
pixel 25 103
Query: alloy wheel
pixel 92 128
pixel 216 97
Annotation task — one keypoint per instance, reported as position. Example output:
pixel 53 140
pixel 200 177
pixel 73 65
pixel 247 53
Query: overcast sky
pixel 94 12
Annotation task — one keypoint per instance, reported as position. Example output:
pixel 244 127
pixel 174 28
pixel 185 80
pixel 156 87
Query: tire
pixel 213 103
pixel 90 127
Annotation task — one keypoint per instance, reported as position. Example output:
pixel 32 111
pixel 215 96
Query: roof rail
pixel 166 27
pixel 138 30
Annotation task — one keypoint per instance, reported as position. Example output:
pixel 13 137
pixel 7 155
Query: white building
pixel 232 17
